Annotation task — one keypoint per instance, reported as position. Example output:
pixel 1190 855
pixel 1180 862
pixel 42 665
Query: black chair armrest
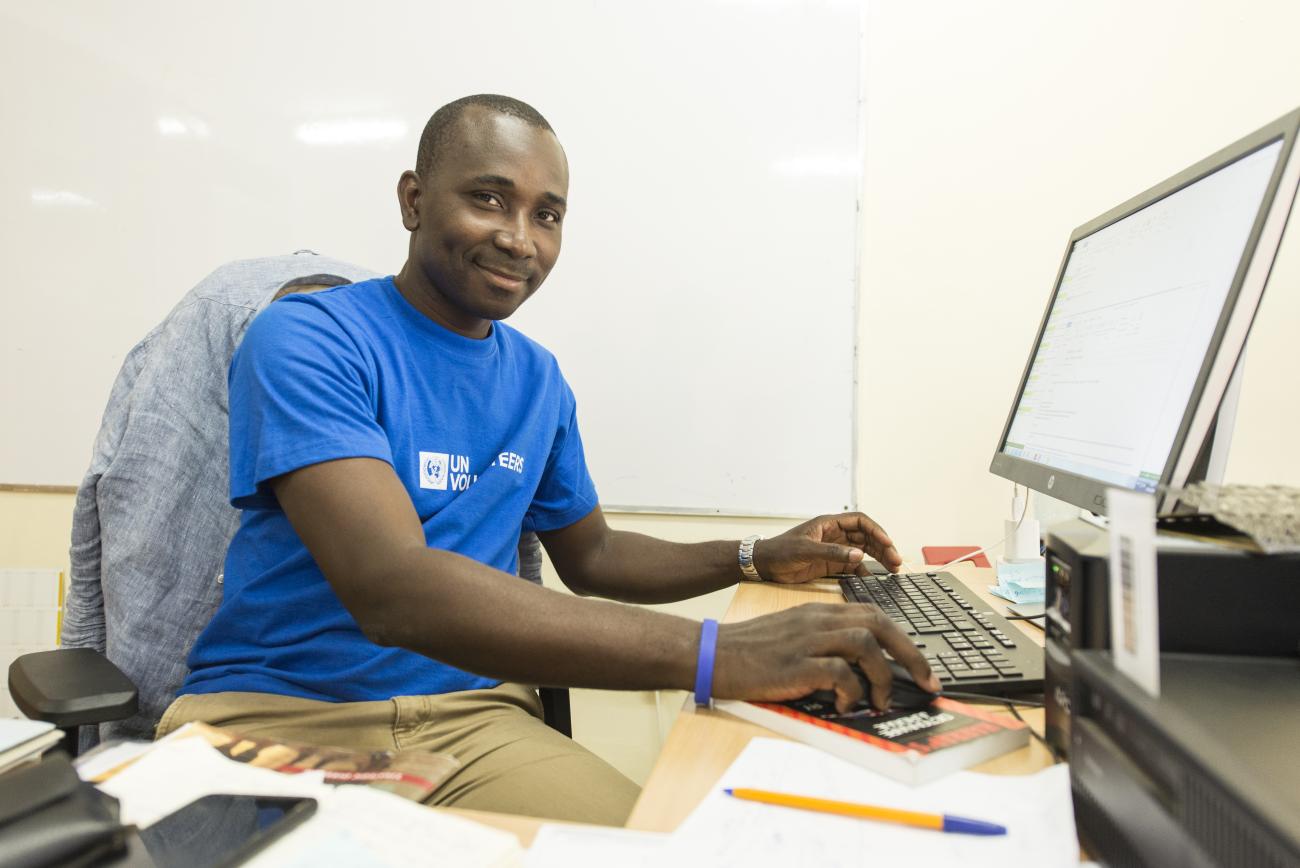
pixel 555 709
pixel 71 686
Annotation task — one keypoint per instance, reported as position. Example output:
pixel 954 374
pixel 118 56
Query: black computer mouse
pixel 904 694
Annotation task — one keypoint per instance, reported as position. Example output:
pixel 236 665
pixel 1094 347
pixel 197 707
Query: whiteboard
pixel 703 307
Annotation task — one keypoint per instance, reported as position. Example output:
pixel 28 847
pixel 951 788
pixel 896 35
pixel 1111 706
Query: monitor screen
pixel 1139 306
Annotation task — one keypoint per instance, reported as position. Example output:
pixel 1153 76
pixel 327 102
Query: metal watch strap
pixel 746 558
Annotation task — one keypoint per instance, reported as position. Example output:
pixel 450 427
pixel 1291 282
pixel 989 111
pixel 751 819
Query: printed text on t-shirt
pixel 441 471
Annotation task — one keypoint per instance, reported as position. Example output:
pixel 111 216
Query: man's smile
pixel 504 278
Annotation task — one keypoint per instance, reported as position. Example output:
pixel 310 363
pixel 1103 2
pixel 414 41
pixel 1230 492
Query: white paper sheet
pixel 562 846
pixel 723 830
pixel 109 758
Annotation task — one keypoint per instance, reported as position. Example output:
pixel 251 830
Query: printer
pixel 1212 600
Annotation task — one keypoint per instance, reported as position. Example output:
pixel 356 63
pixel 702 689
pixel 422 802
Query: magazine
pixel 413 774
pixel 912 745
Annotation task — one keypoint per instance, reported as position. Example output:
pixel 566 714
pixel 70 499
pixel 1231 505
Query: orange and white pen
pixel 937 822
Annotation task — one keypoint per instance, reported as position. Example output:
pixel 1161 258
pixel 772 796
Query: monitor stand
pixel 1212 459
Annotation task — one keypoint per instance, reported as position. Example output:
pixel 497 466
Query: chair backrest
pixel 152 519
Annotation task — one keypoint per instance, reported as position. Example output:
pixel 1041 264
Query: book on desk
pixel 912 745
pixel 22 741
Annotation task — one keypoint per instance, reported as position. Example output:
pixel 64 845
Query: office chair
pixel 152 521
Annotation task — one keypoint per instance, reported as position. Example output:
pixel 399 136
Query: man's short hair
pixel 437 132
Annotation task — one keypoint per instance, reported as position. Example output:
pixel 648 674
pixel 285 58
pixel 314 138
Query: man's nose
pixel 517 239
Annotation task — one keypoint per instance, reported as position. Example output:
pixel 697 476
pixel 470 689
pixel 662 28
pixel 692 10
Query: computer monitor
pixel 1146 324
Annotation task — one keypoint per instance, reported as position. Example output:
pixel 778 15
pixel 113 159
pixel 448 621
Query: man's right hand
pixel 789 654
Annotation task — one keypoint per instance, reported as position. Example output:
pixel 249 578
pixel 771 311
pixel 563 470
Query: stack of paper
pixel 362 826
pixel 22 740
pixel 1021 581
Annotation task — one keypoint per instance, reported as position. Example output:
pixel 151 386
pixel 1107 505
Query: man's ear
pixel 408 199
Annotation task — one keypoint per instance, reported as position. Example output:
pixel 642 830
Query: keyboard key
pixel 932 628
pixel 972 676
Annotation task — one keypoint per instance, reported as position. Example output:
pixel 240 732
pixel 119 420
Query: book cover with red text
pixel 912 745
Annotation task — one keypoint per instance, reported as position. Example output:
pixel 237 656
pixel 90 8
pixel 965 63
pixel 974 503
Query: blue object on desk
pixel 967 826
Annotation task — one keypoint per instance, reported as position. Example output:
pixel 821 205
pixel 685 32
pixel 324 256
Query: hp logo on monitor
pixel 1051 480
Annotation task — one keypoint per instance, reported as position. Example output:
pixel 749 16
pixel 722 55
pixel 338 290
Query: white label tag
pixel 1134 614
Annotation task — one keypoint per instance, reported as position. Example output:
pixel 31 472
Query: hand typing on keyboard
pixel 790 654
pixel 824 546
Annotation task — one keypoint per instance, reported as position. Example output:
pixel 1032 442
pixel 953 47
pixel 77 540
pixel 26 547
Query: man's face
pixel 486 224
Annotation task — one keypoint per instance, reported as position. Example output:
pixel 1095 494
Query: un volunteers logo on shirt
pixel 433 470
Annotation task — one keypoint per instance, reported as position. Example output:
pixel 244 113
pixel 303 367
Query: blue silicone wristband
pixel 704 668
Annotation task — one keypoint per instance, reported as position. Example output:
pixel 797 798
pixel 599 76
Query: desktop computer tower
pixel 1211 601
pixel 1205 775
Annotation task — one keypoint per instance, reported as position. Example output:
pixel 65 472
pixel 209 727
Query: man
pixel 389 439
pixel 153 519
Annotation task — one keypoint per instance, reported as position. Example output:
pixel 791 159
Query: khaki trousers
pixel 511 762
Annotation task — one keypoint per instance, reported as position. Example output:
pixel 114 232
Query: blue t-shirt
pixel 483 434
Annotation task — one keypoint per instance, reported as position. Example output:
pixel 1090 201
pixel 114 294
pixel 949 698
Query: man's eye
pixel 548 216
pixel 488 198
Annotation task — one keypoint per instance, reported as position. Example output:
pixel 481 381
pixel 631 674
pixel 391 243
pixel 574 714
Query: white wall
pixel 994 129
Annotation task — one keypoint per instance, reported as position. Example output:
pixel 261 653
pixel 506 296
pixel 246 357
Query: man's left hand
pixel 824 546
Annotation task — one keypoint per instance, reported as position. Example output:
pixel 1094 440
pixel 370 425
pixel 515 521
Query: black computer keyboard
pixel 968 645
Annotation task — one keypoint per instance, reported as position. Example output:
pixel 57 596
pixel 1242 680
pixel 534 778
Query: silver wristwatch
pixel 747 558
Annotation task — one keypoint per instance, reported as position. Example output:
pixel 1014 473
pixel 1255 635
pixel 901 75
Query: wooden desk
pixel 703 743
